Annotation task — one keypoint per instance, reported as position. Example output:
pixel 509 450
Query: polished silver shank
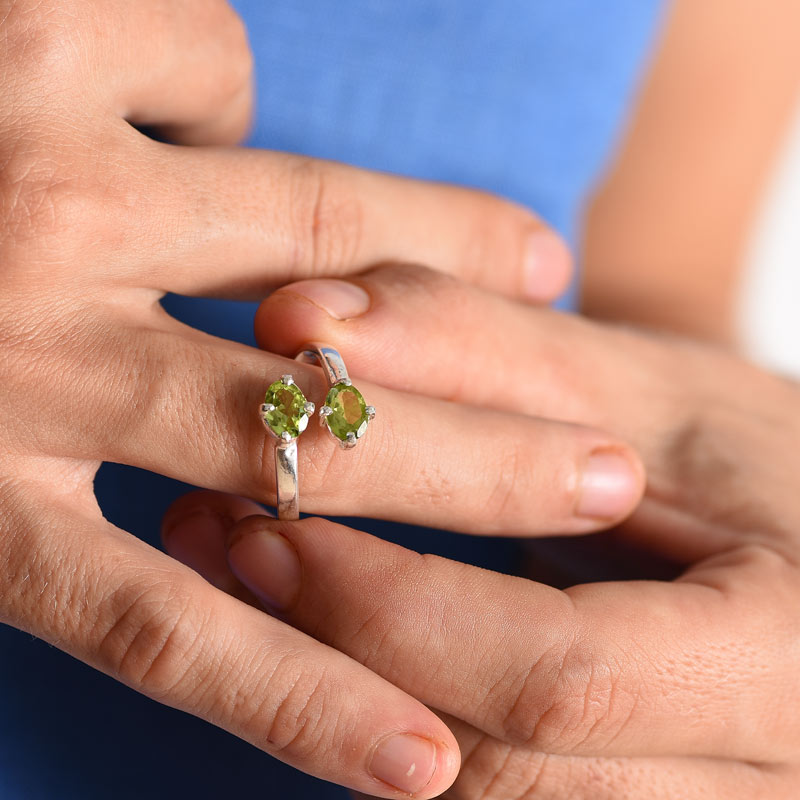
pixel 328 358
pixel 286 479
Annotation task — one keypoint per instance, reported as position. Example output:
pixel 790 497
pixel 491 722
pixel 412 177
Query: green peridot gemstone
pixel 349 411
pixel 289 415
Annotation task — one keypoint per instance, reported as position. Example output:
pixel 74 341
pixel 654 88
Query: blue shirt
pixel 522 98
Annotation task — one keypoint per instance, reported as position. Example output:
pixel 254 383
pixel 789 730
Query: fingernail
pixel 339 299
pixel 609 486
pixel 404 761
pixel 267 564
pixel 198 540
pixel 547 266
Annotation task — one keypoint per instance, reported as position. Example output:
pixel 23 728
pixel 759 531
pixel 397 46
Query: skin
pixel 113 234
pixel 667 232
pixel 682 688
pixel 99 221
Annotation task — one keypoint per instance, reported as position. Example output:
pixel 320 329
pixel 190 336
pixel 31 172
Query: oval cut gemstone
pixel 289 414
pixel 348 411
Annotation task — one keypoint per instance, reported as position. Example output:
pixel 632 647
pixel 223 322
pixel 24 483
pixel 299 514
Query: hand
pixel 98 221
pixel 639 689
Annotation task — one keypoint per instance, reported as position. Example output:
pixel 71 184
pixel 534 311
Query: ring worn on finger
pixel 345 413
pixel 285 412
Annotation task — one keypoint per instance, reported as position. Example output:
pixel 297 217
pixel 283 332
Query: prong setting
pixel 309 407
pixel 344 413
pixel 285 410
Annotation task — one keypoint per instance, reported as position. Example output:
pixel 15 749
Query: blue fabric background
pixel 519 97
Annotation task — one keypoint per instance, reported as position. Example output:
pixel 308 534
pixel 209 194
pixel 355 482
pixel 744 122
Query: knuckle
pixel 377 635
pixel 50 215
pixel 520 774
pixel 303 713
pixel 46 40
pixel 149 635
pixel 504 498
pixel 703 470
pixel 566 700
pixel 327 219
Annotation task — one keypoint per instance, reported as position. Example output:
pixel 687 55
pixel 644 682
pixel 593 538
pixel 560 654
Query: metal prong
pixel 351 440
pixel 325 411
pixel 287 380
pixel 370 412
pixel 309 407
pixel 267 408
pixel 286 436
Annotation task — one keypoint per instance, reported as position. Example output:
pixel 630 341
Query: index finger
pixel 612 669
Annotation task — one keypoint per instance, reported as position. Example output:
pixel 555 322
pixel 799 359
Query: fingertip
pixel 416 766
pixel 341 300
pixel 194 528
pixel 229 507
pixel 547 266
pixel 611 485
pixel 265 561
pixel 305 310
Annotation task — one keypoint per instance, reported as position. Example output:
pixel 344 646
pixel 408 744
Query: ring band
pixel 286 480
pixel 345 414
pixel 285 412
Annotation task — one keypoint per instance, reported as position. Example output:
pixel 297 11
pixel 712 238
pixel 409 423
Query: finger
pixel 137 615
pixel 627 669
pixel 493 770
pixel 186 405
pixel 193 532
pixel 238 223
pixel 419 331
pixel 184 66
pixel 413 329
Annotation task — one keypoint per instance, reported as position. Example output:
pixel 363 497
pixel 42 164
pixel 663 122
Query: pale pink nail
pixel 405 761
pixel 340 299
pixel 547 266
pixel 609 486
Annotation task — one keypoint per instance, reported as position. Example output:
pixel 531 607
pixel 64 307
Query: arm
pixel 667 229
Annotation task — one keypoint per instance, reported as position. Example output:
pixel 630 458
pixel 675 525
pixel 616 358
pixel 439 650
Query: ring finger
pixel 184 404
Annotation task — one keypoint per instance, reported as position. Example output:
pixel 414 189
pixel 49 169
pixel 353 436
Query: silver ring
pixel 345 413
pixel 285 412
